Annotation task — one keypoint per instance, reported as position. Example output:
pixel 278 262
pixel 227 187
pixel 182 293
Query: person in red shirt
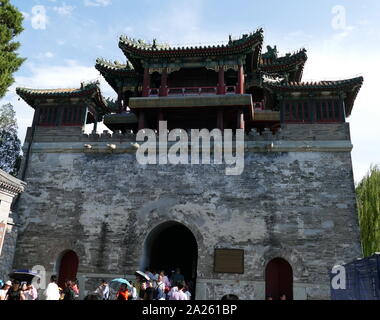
pixel 123 293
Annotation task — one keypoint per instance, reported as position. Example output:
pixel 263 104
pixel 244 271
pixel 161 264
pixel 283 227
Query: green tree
pixel 368 199
pixel 8 118
pixel 10 26
pixel 10 145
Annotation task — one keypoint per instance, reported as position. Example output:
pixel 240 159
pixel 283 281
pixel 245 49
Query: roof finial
pixel 272 53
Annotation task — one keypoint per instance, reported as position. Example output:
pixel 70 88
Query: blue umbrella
pixel 122 281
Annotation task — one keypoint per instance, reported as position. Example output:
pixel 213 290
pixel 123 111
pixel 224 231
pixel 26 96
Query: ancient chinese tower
pixel 91 211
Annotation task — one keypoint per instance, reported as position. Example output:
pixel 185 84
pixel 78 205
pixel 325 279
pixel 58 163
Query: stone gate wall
pixel 295 199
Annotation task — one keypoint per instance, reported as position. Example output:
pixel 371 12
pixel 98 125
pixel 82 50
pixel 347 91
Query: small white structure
pixel 10 187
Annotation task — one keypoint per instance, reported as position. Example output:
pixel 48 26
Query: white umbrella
pixel 143 275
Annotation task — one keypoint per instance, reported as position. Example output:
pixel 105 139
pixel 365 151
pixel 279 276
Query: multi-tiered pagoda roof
pixel 207 86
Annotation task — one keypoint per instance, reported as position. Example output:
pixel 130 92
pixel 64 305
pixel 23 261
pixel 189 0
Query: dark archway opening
pixel 257 93
pixel 155 80
pixel 170 246
pixel 193 77
pixel 231 78
pixel 230 297
pixel 68 267
pixel 279 279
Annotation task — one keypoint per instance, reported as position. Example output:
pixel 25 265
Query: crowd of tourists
pixel 16 290
pixel 157 286
pixel 151 286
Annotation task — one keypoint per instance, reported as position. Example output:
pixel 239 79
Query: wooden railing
pixel 189 91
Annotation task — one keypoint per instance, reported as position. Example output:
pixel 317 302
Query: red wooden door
pixel 68 268
pixel 279 279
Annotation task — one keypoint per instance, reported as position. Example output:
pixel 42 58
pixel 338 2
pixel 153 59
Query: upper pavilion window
pixel 308 111
pixel 328 111
pixel 72 116
pixel 48 116
pixel 297 111
pixel 193 77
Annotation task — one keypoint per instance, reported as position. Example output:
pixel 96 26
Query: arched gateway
pixel 68 267
pixel 279 279
pixel 172 245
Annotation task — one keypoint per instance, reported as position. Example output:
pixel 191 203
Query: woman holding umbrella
pixel 123 293
pixel 142 280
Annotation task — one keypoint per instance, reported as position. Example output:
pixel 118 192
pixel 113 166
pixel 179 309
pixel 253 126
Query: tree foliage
pixel 10 144
pixel 368 199
pixel 8 118
pixel 10 26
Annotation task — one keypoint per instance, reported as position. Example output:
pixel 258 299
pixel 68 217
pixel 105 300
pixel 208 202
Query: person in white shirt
pixel 4 290
pixel 52 290
pixel 103 291
pixel 181 294
pixel 172 293
pixel 187 292
pixel 134 292
pixel 165 280
pixel 160 289
pixel 29 291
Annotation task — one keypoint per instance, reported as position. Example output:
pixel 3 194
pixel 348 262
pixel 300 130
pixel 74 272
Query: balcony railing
pixel 190 91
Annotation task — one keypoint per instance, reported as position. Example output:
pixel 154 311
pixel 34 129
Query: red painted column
pixel 146 83
pixel 164 83
pixel 221 84
pixel 141 120
pixel 241 84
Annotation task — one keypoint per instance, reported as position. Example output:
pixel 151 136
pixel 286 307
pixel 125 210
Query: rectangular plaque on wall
pixel 229 261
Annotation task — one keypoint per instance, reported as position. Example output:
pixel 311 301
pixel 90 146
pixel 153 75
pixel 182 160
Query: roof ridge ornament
pixel 127 44
pixel 272 53
pixel 113 65
pixel 322 83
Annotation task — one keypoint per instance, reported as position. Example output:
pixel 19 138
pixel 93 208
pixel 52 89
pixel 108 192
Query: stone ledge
pixel 191 101
pixel 294 132
pixel 249 146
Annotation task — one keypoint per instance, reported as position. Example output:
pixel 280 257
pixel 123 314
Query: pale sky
pixel 62 40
